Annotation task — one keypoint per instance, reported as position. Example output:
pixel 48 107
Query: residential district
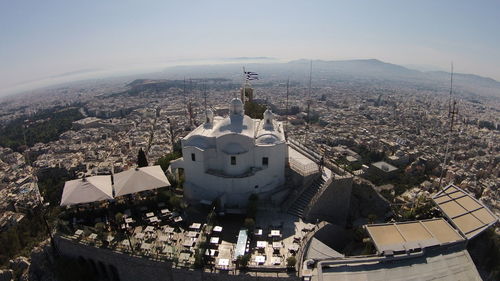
pixel 366 168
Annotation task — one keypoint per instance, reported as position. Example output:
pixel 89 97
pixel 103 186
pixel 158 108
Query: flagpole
pixel 244 88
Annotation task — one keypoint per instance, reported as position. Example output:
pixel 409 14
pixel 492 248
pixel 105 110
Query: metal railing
pixel 303 245
pixel 304 150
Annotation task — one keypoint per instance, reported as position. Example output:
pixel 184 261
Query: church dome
pixel 268 113
pixel 268 118
pixel 267 139
pixel 210 116
pixel 236 106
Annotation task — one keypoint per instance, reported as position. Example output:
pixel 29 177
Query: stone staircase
pixel 299 206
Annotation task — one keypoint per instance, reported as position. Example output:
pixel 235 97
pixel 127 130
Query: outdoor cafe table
pixel 146 246
pixel 308 227
pixel 154 219
pixel 129 220
pixel 92 236
pixel 195 225
pixel 184 256
pixel 214 240
pixel 260 259
pixel 276 260
pixel 217 228
pixel 261 244
pixel 149 228
pixel 178 219
pixel 139 235
pixel 258 232
pixel 275 233
pixel 210 252
pixel 150 214
pixel 223 262
pixel 188 243
pixel 78 232
pixel 165 211
pixel 169 229
pixel 276 245
pixel 192 234
pixel 294 247
pixel 168 250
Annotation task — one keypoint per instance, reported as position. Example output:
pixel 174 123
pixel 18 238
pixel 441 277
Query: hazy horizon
pixel 47 43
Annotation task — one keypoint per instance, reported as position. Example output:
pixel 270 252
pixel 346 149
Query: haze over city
pixel 50 42
pixel 249 140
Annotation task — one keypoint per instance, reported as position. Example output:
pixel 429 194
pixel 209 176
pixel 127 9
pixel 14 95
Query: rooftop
pixel 236 124
pixel 467 213
pixel 406 236
pixel 442 264
pixel 384 166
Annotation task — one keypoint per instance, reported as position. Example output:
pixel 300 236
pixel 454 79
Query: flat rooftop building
pixel 410 236
pixel 382 169
pixel 437 264
pixel 468 214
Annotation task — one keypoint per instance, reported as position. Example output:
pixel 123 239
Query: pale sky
pixel 42 39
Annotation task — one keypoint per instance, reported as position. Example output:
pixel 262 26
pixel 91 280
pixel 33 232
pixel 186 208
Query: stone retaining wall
pixel 117 266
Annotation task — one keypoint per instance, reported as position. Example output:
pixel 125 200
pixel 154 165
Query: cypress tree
pixel 141 159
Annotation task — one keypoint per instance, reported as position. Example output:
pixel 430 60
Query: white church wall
pixel 243 161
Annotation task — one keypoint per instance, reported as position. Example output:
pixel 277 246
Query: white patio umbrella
pixel 139 179
pixel 86 190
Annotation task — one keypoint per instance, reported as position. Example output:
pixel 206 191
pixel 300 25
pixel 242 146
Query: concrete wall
pixel 128 268
pixel 200 185
pixel 333 205
pixel 366 201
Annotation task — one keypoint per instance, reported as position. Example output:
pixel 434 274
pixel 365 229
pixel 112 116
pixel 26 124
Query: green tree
pixel 254 110
pixel 44 126
pixel 177 147
pixel 249 224
pixel 175 202
pixel 199 258
pixel 372 218
pixel 119 217
pixel 291 261
pixel 141 159
pixel 252 205
pixel 164 161
pixel 243 261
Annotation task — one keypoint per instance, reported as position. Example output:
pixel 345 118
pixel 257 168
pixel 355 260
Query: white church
pixel 230 158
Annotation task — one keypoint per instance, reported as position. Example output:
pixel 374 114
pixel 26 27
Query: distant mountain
pixel 423 67
pixel 364 70
pixel 467 77
pixel 361 67
pixel 251 58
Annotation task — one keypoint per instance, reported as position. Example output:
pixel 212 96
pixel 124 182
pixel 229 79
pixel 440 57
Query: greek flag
pixel 251 75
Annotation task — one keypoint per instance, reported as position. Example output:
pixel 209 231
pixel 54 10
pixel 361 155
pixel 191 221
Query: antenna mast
pixel 452 110
pixel 308 103
pixel 190 104
pixel 205 98
pixel 286 106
